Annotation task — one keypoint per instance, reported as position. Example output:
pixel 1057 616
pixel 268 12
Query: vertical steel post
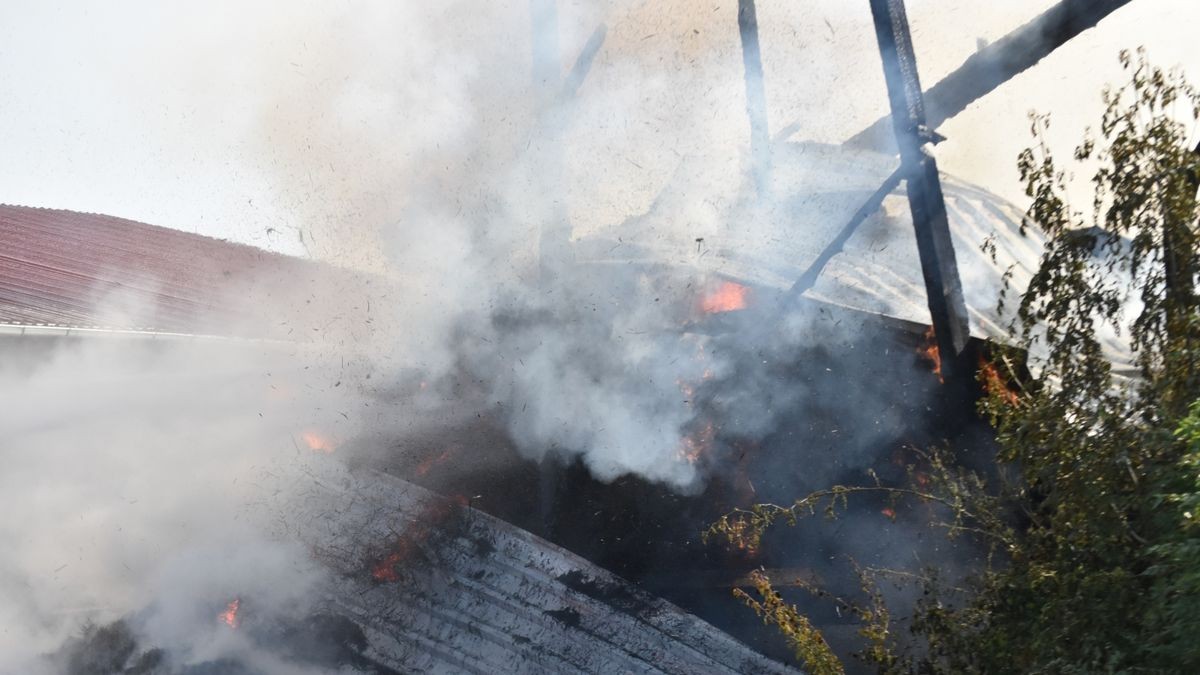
pixel 756 97
pixel 943 287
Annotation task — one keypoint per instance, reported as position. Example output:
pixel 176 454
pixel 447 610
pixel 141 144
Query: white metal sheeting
pixel 815 191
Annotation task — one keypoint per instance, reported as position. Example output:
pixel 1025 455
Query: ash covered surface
pixel 423 583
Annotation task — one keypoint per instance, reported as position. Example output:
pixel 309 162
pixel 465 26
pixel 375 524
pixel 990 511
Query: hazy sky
pixel 255 121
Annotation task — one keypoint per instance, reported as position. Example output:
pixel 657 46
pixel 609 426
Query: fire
pixel 385 570
pixel 695 445
pixel 930 352
pixel 433 515
pixel 728 296
pixel 230 616
pixel 318 443
pixel 688 391
pixel 430 462
pixel 994 384
pixel 889 512
pixel 698 441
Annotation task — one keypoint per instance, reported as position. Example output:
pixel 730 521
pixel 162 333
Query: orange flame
pixel 687 390
pixel 728 296
pixel 385 570
pixel 994 384
pixel 695 445
pixel 930 352
pixel 432 515
pixel 430 462
pixel 318 443
pixel 230 616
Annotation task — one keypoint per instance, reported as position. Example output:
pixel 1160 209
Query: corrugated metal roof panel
pixel 474 594
pixel 816 188
pixel 62 268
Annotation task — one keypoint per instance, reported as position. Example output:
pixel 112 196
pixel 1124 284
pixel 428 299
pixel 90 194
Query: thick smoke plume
pixel 454 156
pixel 134 474
pixel 410 141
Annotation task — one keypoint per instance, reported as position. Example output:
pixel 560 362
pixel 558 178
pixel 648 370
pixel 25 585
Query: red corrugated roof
pixel 64 268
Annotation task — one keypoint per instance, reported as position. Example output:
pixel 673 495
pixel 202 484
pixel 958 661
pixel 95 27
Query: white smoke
pixel 133 478
pixel 404 139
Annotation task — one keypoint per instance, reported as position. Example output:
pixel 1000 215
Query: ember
pixel 994 384
pixel 434 516
pixel 929 351
pixel 425 466
pixel 230 616
pixel 385 570
pixel 695 445
pixel 729 296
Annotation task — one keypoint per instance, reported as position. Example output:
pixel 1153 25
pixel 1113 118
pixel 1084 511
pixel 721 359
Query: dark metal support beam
pixel 756 97
pixel 583 63
pixel 938 265
pixel 809 278
pixel 998 63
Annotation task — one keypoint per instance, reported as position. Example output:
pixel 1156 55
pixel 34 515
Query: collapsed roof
pixel 814 193
pixel 421 583
pixel 445 588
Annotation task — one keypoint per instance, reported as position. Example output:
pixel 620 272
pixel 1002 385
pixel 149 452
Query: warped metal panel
pixel 441 587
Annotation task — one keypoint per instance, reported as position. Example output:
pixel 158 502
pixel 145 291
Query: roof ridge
pixel 171 230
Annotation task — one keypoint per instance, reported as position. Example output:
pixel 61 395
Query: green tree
pixel 1094 515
